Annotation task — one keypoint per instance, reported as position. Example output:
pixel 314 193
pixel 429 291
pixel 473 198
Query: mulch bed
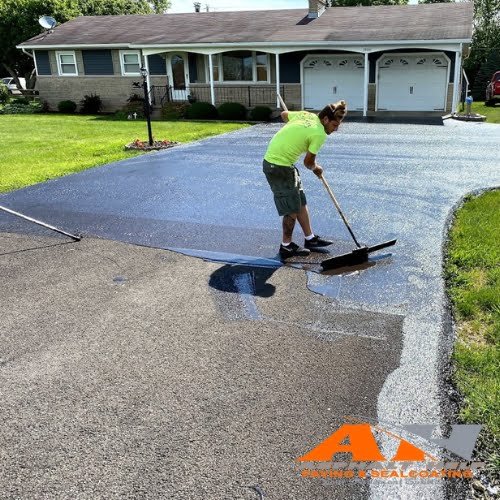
pixel 144 145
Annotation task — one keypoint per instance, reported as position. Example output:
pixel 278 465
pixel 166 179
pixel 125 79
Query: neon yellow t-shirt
pixel 303 132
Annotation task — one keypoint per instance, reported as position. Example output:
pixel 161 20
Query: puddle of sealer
pixel 228 258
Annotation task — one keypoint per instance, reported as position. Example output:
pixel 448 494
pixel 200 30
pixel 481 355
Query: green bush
pixel 19 108
pixel 4 93
pixel 232 111
pixel 202 111
pixel 91 104
pixel 67 106
pixel 174 110
pixel 261 114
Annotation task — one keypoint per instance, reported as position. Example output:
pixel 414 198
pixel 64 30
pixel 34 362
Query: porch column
pixel 211 71
pixel 456 80
pixel 148 79
pixel 278 105
pixel 367 82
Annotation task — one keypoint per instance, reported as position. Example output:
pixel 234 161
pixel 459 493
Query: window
pixel 130 62
pixel 237 66
pixel 262 63
pixel 240 66
pixel 66 63
pixel 215 67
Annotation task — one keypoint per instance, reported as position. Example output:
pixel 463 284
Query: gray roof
pixel 441 21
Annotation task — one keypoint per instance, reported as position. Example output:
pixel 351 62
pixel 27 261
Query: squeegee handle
pixel 282 102
pixel 337 206
pixel 48 226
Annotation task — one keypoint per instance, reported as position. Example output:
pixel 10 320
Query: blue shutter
pixel 97 62
pixel 42 62
pixel 157 65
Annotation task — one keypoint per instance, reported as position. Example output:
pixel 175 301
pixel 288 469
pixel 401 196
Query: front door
pixel 178 75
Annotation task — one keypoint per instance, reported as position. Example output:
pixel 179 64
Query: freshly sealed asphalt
pixel 144 373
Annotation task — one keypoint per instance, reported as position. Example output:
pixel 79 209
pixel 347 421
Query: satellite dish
pixel 47 22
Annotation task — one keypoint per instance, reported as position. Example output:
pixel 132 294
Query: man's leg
pixel 288 225
pixel 305 221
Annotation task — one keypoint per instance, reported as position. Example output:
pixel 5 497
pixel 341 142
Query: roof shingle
pixel 441 21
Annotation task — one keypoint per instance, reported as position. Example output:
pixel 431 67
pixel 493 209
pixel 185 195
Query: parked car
pixel 11 84
pixel 493 90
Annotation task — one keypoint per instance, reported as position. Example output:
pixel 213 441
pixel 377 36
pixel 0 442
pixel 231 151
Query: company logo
pixel 352 451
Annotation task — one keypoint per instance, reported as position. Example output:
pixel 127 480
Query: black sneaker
pixel 317 242
pixel 293 249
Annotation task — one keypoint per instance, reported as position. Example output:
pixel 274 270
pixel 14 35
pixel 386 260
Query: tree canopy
pixel 19 22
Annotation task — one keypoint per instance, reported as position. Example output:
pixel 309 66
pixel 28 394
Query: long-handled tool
pixel 358 255
pixel 52 228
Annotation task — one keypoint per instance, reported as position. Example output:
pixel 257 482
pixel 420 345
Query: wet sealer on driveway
pixel 205 379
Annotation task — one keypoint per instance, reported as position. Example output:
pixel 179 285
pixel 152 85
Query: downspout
pixel 27 53
pixel 458 71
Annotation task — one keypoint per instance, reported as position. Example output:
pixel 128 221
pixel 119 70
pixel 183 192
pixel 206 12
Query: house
pixel 402 58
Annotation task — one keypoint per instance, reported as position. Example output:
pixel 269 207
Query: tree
pixel 435 1
pixel 19 22
pixel 485 44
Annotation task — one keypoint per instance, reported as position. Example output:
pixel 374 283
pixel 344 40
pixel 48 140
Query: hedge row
pixel 207 111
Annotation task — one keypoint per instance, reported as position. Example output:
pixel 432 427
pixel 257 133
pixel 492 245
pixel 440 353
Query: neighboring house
pixel 386 58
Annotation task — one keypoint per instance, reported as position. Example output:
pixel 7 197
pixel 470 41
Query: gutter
pixel 208 45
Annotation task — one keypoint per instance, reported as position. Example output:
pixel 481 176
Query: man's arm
pixel 310 163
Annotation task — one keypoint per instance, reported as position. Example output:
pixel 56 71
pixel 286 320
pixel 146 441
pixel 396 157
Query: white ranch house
pixel 397 59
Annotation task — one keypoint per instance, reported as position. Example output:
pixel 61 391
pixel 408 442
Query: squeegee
pixel 360 254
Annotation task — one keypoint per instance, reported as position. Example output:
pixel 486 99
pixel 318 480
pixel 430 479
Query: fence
pixel 248 95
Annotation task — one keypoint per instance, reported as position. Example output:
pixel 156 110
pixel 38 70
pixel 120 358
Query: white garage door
pixel 412 82
pixel 329 78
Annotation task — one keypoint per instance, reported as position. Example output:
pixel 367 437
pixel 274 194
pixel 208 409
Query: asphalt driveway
pixel 246 375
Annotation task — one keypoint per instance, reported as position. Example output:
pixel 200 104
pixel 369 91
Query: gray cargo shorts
pixel 286 186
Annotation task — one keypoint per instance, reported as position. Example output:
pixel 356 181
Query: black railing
pixel 248 95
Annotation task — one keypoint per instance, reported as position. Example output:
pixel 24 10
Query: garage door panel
pixel 331 78
pixel 412 82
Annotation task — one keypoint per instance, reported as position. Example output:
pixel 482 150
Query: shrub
pixel 261 114
pixel 91 104
pixel 67 106
pixel 19 108
pixel 232 111
pixel 174 110
pixel 202 111
pixel 135 98
pixel 4 93
pixel 24 101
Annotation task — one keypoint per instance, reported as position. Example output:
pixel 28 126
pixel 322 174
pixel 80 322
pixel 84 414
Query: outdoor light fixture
pixel 147 107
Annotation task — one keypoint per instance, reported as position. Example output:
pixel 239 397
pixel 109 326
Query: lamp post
pixel 147 107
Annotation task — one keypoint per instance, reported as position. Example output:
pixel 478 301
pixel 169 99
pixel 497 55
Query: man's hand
pixel 317 170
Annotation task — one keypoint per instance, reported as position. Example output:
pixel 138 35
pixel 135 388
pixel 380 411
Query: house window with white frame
pixel 241 66
pixel 130 62
pixel 262 67
pixel 66 64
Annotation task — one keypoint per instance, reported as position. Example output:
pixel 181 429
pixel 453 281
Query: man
pixel 304 132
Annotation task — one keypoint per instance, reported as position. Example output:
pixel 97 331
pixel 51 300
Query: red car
pixel 493 90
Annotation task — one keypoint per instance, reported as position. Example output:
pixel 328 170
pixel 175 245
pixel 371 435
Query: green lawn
pixel 492 113
pixel 473 279
pixel 38 147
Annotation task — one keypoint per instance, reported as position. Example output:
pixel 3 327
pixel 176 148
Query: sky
pixel 225 5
